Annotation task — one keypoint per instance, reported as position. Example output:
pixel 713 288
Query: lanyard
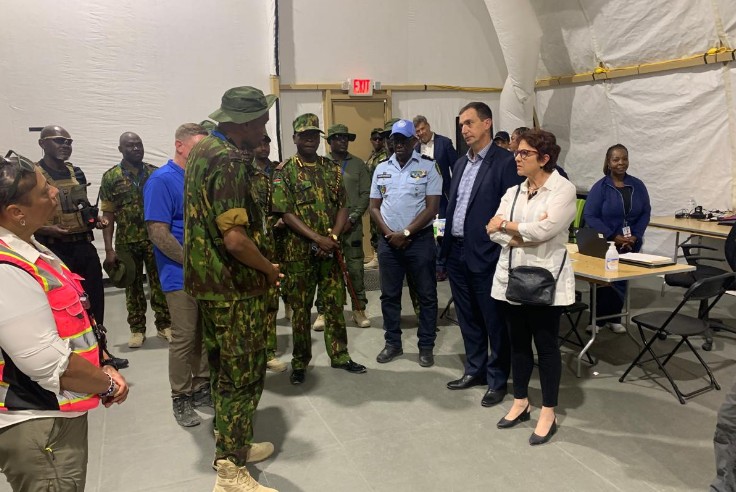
pixel 136 180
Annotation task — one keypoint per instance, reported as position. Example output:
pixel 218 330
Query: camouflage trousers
pixel 235 339
pixel 135 296
pixel 271 311
pixel 352 251
pixel 301 278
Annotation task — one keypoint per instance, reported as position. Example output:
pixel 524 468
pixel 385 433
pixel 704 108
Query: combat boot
pixel 319 323
pixel 233 478
pixel 360 319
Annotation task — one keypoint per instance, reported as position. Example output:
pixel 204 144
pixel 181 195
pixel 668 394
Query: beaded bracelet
pixel 110 389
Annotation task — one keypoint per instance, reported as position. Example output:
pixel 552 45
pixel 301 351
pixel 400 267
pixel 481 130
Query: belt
pixel 423 232
pixel 458 240
pixel 71 238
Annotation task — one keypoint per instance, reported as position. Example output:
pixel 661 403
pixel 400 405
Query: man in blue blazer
pixel 479 180
pixel 440 149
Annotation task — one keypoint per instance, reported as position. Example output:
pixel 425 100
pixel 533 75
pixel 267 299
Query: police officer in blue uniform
pixel 405 197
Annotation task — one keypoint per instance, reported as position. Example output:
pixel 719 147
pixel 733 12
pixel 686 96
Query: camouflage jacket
pixel 376 158
pixel 312 192
pixel 357 184
pixel 121 192
pixel 218 191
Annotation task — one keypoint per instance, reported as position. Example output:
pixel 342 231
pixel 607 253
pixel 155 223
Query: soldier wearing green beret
pixel 309 196
pixel 121 201
pixel 227 246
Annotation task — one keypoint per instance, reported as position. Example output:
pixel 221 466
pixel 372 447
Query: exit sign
pixel 360 87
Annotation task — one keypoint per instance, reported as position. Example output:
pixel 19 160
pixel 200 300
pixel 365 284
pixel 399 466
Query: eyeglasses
pixel 524 153
pixel 25 165
pixel 59 140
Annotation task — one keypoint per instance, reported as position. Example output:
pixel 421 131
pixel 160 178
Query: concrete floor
pixel 398 429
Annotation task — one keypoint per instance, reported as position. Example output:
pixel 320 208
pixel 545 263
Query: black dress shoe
pixel 524 416
pixel 298 376
pixel 493 397
pixel 426 358
pixel 536 440
pixel 351 366
pixel 466 381
pixel 388 354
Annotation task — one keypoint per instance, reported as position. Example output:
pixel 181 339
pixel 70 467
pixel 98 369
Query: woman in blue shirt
pixel 618 207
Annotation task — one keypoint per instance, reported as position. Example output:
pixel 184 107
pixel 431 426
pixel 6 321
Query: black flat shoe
pixel 524 416
pixel 536 440
pixel 298 376
pixel 350 366
pixel 466 381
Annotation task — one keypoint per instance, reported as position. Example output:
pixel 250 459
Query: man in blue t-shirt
pixel 163 208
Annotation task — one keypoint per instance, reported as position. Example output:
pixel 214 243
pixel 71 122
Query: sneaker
pixel 259 451
pixel 288 312
pixel 275 365
pixel 184 412
pixel 234 478
pixel 319 323
pixel 165 334
pixel 589 329
pixel 616 327
pixel 136 340
pixel 360 319
pixel 202 397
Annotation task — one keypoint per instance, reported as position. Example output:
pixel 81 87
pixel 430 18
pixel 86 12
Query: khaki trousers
pixel 45 455
pixel 188 368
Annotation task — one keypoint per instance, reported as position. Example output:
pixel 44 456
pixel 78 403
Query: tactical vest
pixel 17 390
pixel 71 195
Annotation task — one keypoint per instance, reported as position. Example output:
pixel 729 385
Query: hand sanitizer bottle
pixel 611 257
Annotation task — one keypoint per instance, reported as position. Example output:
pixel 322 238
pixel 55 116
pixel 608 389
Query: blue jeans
pixel 419 259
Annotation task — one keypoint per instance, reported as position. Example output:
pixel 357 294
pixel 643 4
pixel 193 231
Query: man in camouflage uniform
pixel 378 155
pixel 261 179
pixel 357 183
pixel 227 244
pixel 121 201
pixel 309 195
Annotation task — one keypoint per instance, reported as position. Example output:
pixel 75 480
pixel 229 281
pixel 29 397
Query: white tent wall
pixel 408 42
pixel 102 68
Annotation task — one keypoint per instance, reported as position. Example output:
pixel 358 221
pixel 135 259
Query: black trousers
pixel 542 324
pixel 81 258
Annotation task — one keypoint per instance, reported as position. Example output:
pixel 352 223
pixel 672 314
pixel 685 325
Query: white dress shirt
pixel 428 148
pixel 544 222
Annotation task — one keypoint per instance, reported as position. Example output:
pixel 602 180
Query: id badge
pixel 627 231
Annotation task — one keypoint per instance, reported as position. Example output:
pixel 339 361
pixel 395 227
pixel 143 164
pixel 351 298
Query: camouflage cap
pixel 339 129
pixel 121 273
pixel 208 125
pixel 387 127
pixel 242 104
pixel 306 121
pixel 376 130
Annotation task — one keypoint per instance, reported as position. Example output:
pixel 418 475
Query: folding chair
pixel 665 323
pixel 569 311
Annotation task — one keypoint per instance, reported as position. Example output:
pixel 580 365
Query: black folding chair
pixel 578 308
pixel 665 323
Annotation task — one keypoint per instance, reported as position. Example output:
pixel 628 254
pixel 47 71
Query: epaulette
pixel 424 156
pixel 280 166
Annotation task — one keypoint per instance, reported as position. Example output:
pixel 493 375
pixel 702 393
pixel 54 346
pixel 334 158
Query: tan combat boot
pixel 361 319
pixel 319 323
pixel 232 478
pixel 136 340
pixel 276 365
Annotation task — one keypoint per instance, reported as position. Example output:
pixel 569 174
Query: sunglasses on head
pixel 59 140
pixel 25 166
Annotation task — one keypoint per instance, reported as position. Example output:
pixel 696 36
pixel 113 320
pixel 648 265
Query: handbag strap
pixel 511 219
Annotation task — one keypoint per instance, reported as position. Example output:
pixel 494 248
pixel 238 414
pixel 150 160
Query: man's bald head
pixel 131 146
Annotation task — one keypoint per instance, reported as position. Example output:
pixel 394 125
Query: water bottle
pixel 691 205
pixel 611 257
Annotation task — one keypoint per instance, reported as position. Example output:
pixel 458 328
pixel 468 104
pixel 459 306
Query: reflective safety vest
pixel 17 390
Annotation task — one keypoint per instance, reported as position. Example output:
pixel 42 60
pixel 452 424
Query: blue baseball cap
pixel 403 127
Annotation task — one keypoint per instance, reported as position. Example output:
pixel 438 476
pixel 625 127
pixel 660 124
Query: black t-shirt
pixel 626 192
pixel 64 173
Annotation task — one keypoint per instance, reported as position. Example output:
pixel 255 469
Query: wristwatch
pixel 407 233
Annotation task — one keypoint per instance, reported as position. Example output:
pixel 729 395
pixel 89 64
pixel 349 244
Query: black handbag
pixel 531 285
